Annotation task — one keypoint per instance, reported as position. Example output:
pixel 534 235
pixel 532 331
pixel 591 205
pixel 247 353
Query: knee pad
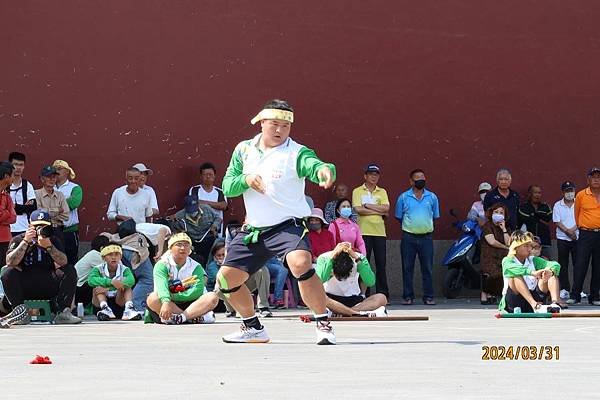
pixel 222 290
pixel 307 275
pixel 231 290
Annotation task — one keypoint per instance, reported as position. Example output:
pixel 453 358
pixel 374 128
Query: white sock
pixel 129 304
pixel 103 303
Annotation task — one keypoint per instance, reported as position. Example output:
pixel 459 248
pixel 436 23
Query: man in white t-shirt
pixel 207 193
pixel 129 201
pixel 563 216
pixel 22 194
pixel 143 179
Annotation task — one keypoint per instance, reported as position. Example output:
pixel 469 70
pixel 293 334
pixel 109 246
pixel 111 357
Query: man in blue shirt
pixel 416 209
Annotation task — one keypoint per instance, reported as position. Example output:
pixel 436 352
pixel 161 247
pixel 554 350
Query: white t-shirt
pixel 151 231
pixel 565 215
pixel 85 265
pixel 137 206
pixel 16 194
pixel 153 199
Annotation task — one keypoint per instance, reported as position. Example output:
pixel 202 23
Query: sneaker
pixel 325 333
pixel 596 303
pixel 573 301
pixel 583 295
pixel 65 317
pixel 553 308
pixel 278 305
pixel 265 313
pixel 230 314
pixel 18 314
pixel 540 309
pixel 208 318
pixel 564 294
pixel 131 314
pixel 247 335
pixel 106 314
pixel 381 312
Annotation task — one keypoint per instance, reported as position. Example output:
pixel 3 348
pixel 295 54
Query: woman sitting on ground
pixel 494 245
pixel 179 286
pixel 528 280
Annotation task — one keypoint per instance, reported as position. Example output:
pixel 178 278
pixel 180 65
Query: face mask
pixel 482 195
pixel 345 212
pixel 497 218
pixel 219 263
pixel 314 226
pixel 420 184
pixel 570 196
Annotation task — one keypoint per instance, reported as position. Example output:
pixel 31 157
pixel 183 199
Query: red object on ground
pixel 41 360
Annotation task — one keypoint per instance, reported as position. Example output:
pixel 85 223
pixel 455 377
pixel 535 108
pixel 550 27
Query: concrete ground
pixel 436 359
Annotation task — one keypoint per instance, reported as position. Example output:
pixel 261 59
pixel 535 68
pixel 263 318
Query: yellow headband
pixel 273 113
pixel 113 248
pixel 179 237
pixel 526 238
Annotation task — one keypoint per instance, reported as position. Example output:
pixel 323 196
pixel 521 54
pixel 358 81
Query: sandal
pixel 407 302
pixel 429 302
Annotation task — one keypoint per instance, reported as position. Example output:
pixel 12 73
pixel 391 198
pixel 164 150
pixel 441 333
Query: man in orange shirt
pixel 587 218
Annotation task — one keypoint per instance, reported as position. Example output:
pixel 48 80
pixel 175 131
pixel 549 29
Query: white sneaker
pixel 66 317
pixel 247 335
pixel 553 308
pixel 564 294
pixel 542 309
pixel 381 312
pixel 105 314
pixel 208 318
pixel 325 333
pixel 596 302
pixel 18 314
pixel 583 295
pixel 131 314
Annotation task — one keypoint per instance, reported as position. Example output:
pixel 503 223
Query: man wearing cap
pixel 38 269
pixel 416 209
pixel 74 196
pixel 563 216
pixel 587 217
pixel 52 200
pixel 503 194
pixel 129 201
pixel 145 172
pixel 270 170
pixel 372 205
pixel 178 295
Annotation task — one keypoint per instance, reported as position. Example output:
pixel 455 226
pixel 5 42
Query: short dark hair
pixel 415 171
pixel 99 242
pixel 342 265
pixel 279 105
pixel 6 168
pixel 338 203
pixel 208 165
pixel 219 244
pixel 15 155
pixel 132 169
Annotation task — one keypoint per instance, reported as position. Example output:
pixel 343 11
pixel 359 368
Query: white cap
pixel 142 168
pixel 484 186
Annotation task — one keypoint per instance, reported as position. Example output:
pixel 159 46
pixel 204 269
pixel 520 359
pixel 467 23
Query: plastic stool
pixel 43 306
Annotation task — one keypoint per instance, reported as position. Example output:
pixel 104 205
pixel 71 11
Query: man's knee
pixel 306 275
pixel 9 274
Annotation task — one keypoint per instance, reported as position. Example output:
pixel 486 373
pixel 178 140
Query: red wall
pixel 456 87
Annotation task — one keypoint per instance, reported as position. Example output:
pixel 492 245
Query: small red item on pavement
pixel 41 360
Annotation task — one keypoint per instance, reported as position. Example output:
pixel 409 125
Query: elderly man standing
pixel 74 196
pixel 129 201
pixel 505 195
pixel 587 217
pixel 416 209
pixel 52 200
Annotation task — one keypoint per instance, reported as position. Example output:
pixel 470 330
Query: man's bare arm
pixel 14 258
pixel 58 256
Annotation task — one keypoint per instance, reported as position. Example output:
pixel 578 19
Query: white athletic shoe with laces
pixel 208 318
pixel 131 314
pixel 325 333
pixel 106 313
pixel 247 335
pixel 381 312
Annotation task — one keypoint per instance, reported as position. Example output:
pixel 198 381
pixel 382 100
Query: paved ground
pixel 440 358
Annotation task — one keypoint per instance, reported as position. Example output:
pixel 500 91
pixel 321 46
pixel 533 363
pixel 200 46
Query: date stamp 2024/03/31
pixel 527 353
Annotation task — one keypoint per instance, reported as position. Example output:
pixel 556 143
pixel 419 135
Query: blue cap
pixel 48 170
pixel 191 204
pixel 594 170
pixel 40 217
pixel 372 168
pixel 567 185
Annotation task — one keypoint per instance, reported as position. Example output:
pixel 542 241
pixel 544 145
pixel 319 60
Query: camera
pixel 45 231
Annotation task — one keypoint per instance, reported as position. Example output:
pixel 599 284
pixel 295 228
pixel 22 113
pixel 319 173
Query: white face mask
pixel 482 195
pixel 569 196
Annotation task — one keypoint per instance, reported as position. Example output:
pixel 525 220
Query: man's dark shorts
pixel 348 301
pixel 276 242
pixel 516 300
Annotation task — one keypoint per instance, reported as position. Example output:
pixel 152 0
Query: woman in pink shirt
pixel 344 229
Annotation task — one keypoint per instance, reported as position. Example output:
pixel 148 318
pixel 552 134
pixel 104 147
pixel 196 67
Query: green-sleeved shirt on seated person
pixel 167 270
pixel 349 286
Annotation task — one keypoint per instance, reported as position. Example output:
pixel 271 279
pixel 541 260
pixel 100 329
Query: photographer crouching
pixel 37 269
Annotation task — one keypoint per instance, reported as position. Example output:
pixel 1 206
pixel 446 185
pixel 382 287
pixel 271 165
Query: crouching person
pixel 528 279
pixel 37 269
pixel 179 286
pixel 339 271
pixel 112 282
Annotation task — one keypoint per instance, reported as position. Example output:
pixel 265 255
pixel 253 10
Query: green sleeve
pixel 512 269
pixel 195 291
pixel 324 267
pixel 96 279
pixel 234 181
pixel 365 272
pixel 76 197
pixel 540 263
pixel 128 279
pixel 161 281
pixel 308 165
